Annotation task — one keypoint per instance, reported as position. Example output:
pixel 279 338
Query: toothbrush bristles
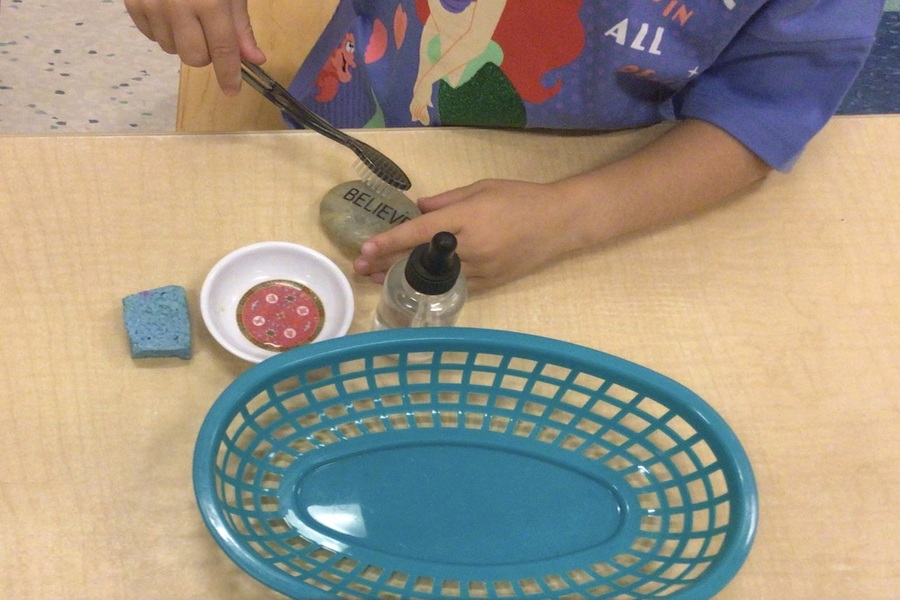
pixel 373 179
pixel 378 170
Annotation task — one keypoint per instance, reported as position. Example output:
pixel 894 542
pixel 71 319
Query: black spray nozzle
pixel 433 268
pixel 440 255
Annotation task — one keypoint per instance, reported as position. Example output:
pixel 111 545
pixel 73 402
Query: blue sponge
pixel 157 323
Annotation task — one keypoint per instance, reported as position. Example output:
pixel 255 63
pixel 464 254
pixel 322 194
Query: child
pixel 749 82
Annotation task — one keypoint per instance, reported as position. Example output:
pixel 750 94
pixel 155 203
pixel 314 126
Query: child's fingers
pixel 444 199
pixel 406 235
pixel 140 18
pixel 380 251
pixel 246 38
pixel 223 48
pixel 161 32
pixel 375 266
pixel 190 43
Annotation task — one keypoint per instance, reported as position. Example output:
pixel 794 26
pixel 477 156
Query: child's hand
pixel 505 229
pixel 201 32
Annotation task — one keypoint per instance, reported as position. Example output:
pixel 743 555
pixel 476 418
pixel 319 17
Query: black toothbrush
pixel 376 169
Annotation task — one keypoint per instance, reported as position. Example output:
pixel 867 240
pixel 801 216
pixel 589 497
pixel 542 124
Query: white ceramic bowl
pixel 264 277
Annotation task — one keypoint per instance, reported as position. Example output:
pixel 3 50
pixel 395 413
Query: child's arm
pixel 507 229
pixel 201 32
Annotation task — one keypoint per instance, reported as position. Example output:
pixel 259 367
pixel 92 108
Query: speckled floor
pixel 877 89
pixel 81 66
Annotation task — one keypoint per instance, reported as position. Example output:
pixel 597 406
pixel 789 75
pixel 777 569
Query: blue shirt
pixel 769 72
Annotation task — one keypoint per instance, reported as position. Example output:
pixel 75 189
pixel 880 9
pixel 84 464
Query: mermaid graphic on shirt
pixel 337 70
pixel 451 62
pixel 480 60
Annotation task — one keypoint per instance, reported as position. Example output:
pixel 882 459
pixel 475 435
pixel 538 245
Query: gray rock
pixel 353 212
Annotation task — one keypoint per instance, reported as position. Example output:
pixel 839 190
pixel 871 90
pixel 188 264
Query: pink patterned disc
pixel 279 315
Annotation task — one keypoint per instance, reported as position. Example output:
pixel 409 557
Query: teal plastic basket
pixel 467 463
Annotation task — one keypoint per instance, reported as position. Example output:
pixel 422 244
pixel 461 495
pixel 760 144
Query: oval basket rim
pixel 450 339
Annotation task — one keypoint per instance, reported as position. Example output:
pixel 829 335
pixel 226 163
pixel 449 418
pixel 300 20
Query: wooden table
pixel 781 308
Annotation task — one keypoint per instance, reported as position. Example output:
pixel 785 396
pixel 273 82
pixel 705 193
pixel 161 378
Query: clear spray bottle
pixel 425 289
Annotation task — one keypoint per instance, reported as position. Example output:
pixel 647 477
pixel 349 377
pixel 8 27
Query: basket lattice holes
pixel 682 492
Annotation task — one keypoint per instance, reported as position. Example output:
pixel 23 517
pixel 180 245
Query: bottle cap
pixel 433 268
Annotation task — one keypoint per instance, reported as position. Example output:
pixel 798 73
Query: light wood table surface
pixel 781 309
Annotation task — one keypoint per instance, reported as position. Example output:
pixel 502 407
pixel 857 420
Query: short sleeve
pixel 783 76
